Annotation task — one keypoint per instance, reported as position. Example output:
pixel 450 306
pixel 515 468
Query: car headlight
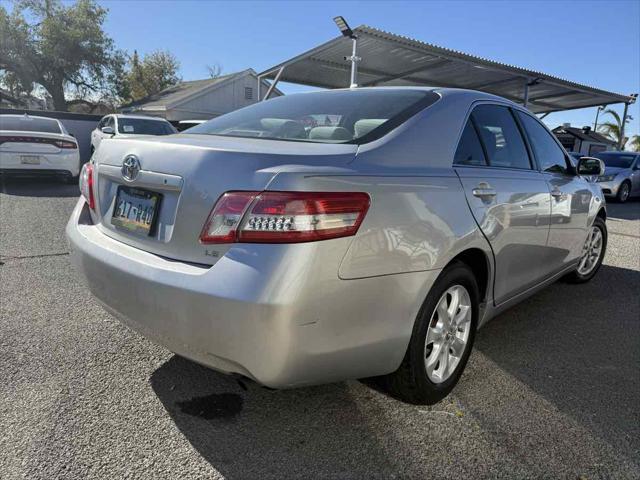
pixel 606 178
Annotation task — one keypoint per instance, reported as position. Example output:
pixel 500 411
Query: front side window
pixel 142 126
pixel 549 155
pixel 338 116
pixel 469 150
pixel 501 137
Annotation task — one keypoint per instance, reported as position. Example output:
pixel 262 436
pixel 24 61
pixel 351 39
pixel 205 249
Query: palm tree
pixel 634 144
pixel 613 128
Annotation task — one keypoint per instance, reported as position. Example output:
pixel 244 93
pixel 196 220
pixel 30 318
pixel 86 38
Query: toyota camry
pixel 339 234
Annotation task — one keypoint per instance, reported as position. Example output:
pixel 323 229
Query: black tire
pixel 577 277
pixel 623 192
pixel 410 382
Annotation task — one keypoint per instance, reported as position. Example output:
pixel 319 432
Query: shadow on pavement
pixel 37 187
pixel 579 347
pixel 259 433
pixel 624 211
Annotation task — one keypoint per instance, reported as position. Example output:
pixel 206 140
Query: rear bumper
pixel 61 164
pixel 35 172
pixel 278 314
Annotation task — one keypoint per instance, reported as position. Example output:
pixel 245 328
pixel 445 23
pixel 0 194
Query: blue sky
pixel 592 42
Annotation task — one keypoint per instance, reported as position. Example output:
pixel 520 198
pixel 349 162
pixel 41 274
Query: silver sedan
pixel 621 179
pixel 340 234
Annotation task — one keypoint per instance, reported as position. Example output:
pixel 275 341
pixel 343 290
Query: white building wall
pixel 226 98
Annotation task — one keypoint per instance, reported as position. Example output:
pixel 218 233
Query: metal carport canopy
pixel 389 59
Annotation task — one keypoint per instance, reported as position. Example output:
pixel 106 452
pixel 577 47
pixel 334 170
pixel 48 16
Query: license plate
pixel 136 210
pixel 30 159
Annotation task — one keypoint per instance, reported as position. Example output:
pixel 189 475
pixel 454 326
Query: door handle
pixel 483 190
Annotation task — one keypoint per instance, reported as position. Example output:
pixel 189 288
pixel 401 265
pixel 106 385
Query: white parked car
pixel 31 146
pixel 117 125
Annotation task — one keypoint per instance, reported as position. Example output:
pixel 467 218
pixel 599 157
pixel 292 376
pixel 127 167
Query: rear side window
pixel 549 155
pixel 25 123
pixel 501 137
pixel 469 150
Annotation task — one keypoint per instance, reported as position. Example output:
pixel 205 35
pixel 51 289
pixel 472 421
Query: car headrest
pixel 364 126
pixel 329 133
pixel 284 128
pixel 272 124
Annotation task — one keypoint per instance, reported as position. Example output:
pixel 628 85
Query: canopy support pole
pixel 621 142
pixel 354 62
pixel 529 83
pixel 273 84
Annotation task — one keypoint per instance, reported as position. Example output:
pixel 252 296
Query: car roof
pixel 470 95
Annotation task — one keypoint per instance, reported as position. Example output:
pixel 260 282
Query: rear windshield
pixel 29 124
pixel 141 126
pixel 616 160
pixel 338 116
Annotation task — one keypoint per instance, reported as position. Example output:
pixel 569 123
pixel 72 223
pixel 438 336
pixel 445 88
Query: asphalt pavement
pixel 552 389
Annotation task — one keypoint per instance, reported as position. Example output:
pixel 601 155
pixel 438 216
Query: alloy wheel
pixel 591 252
pixel 448 334
pixel 624 192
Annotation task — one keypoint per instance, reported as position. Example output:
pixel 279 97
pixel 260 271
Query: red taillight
pixel 222 224
pixel 38 140
pixel 66 144
pixel 86 185
pixel 284 217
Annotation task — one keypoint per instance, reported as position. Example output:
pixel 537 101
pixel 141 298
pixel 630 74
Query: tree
pixel 613 128
pixel 15 85
pixel 155 72
pixel 634 144
pixel 62 48
pixel 214 70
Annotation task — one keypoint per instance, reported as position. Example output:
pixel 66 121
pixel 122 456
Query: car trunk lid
pixel 189 173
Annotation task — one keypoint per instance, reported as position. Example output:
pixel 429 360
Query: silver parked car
pixel 339 234
pixel 621 178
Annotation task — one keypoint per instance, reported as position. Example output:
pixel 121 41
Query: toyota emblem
pixel 130 168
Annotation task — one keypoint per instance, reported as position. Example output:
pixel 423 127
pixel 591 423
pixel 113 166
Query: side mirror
pixel 590 166
pixel 108 130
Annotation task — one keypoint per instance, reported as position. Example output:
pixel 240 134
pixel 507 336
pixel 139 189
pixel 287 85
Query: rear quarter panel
pixel 416 222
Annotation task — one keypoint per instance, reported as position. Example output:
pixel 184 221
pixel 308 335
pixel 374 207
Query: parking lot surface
pixel 552 389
